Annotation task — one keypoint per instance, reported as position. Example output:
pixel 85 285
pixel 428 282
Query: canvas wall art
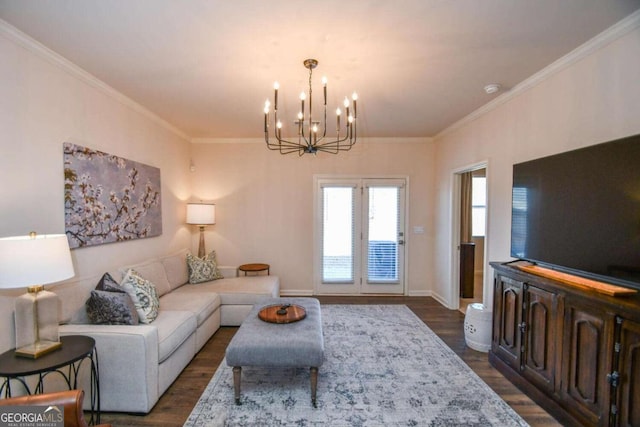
pixel 109 199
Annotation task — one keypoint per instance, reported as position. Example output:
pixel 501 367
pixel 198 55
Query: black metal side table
pixel 67 361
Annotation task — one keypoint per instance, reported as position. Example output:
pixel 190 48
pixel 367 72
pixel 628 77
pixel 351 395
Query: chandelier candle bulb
pixel 276 86
pixel 355 99
pixel 324 87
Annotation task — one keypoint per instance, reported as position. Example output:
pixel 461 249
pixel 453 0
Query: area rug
pixel 383 367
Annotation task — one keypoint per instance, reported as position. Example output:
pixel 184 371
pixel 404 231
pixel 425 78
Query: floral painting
pixel 108 198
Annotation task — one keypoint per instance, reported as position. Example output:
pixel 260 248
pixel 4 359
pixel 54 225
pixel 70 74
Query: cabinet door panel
pixel 629 369
pixel 509 316
pixel 539 364
pixel 587 361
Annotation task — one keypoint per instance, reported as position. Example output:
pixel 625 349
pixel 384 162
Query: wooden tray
pixel 578 282
pixel 282 313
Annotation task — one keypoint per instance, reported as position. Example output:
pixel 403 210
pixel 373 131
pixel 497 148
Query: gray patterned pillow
pixel 107 283
pixel 203 269
pixel 143 294
pixel 111 308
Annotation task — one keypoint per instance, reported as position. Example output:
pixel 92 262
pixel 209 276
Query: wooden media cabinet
pixel 573 349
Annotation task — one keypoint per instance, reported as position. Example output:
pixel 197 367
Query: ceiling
pixel 206 66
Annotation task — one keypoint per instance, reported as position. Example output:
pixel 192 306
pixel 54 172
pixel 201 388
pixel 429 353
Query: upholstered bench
pixel 262 344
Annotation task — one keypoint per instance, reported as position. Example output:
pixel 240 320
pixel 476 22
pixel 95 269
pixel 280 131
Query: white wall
pixel 596 99
pixel 44 103
pixel 264 203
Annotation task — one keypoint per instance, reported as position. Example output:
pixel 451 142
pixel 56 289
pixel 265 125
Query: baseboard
pixel 440 299
pixel 295 293
pixel 419 293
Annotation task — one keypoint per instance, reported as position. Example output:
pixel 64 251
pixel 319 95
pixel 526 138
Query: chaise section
pixel 237 294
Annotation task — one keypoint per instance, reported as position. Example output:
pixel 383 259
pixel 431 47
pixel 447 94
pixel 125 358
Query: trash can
pixel 477 327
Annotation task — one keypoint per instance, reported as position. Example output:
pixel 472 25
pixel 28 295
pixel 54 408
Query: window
pixel 478 205
pixel 337 234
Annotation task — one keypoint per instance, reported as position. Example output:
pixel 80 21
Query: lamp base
pixel 36 319
pixel 201 251
pixel 37 349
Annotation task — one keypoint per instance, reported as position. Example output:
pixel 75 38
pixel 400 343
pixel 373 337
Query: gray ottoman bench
pixel 262 344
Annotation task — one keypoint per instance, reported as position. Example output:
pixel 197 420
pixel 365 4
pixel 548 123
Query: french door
pixel 359 236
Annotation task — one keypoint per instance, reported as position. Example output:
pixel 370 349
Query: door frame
pixel 456 197
pixel 316 232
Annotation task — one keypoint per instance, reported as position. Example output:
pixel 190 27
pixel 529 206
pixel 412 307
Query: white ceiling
pixel 206 66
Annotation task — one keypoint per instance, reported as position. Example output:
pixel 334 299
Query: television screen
pixel 579 211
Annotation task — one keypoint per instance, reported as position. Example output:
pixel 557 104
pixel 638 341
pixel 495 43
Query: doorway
pixel 472 234
pixel 360 236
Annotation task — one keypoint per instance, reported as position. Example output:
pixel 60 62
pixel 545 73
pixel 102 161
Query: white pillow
pixel 143 294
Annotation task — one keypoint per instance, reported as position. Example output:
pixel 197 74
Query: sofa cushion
pixel 143 294
pixel 174 328
pixel 202 305
pixel 238 290
pixel 203 269
pixel 175 268
pixel 152 270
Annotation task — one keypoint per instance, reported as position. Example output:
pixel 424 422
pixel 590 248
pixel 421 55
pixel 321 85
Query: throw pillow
pixel 203 269
pixel 143 294
pixel 111 308
pixel 108 283
pixel 109 304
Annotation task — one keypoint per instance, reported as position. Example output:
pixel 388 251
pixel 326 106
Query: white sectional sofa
pixel 138 363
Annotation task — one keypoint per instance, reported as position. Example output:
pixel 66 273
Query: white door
pixel 360 236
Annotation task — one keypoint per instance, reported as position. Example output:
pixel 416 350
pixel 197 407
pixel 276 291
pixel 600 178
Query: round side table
pixel 65 361
pixel 254 268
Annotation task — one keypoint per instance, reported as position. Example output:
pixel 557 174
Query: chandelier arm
pixel 282 144
pixel 324 126
pixel 335 148
pixel 335 141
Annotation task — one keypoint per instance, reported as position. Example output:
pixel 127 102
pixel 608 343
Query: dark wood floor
pixel 176 404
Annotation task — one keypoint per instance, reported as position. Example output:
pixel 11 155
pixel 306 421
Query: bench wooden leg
pixel 314 386
pixel 237 373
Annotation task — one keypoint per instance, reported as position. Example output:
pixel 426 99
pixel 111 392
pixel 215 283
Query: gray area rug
pixel 383 367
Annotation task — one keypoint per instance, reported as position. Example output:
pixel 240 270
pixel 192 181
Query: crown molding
pixel 381 140
pixel 227 140
pixel 15 35
pixel 609 35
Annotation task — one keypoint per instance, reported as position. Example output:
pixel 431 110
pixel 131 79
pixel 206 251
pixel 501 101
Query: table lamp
pixel 33 261
pixel 201 214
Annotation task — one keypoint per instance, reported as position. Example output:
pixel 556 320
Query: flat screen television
pixel 579 212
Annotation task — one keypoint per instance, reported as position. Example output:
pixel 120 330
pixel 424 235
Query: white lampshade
pixel 38 260
pixel 201 214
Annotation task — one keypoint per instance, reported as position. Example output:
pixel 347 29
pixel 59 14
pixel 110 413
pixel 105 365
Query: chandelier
pixel 311 137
